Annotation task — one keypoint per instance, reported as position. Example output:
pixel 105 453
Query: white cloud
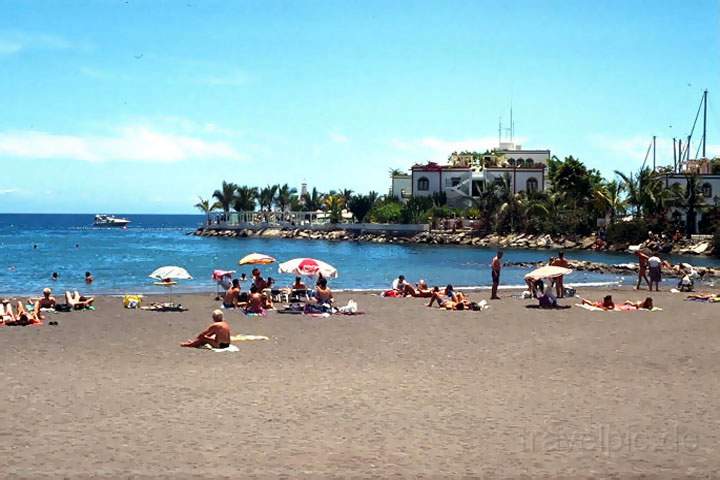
pixel 234 78
pixel 134 143
pixel 438 149
pixel 12 42
pixel 6 191
pixel 338 137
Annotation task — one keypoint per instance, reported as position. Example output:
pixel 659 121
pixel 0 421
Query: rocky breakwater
pixel 625 268
pixel 436 237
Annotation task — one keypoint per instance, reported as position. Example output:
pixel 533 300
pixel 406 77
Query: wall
pixel 433 177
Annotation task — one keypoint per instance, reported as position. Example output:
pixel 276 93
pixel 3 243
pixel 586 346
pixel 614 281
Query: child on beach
pixel 217 335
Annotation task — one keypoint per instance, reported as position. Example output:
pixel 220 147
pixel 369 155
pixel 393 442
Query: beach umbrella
pixel 256 259
pixel 548 271
pixel 170 273
pixel 309 267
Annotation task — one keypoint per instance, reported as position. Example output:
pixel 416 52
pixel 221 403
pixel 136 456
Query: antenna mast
pixel 704 122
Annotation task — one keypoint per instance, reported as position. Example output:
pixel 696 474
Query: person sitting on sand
pixel 77 301
pixel 323 294
pixel 423 290
pixel 232 295
pixel 89 278
pixel 686 283
pixel 606 304
pixel 298 284
pixel 646 304
pixel 23 317
pixel 404 288
pixel 47 302
pixel 255 301
pixel 217 335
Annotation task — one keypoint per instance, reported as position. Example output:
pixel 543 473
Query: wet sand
pixel 402 391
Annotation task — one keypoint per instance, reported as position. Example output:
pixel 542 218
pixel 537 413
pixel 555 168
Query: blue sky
pixel 140 106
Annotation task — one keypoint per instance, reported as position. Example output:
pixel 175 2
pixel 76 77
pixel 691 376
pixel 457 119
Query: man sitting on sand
pixel 77 301
pixel 423 290
pixel 606 304
pixel 255 302
pixel 47 302
pixel 323 294
pixel 298 285
pixel 404 288
pixel 217 335
pixel 232 295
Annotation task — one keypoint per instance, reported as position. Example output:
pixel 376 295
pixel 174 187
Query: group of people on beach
pixel 33 313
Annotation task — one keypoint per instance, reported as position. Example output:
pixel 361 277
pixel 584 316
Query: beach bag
pixel 132 301
pixel 391 294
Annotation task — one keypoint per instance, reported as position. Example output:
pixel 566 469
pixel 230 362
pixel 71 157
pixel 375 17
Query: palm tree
pixel 346 195
pixel 609 199
pixel 360 206
pixel 313 200
pixel 206 207
pixel 225 195
pixel 267 197
pixel 245 199
pixel 394 172
pixel 284 196
pixel 334 205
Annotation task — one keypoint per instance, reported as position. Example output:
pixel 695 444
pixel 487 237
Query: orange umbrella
pixel 256 259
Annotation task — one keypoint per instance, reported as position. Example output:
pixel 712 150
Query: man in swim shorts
pixel 217 335
pixel 232 296
pixel 496 266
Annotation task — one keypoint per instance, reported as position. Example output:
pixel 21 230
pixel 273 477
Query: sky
pixel 142 106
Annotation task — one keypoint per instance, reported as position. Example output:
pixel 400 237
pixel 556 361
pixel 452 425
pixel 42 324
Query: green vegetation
pixel 578 197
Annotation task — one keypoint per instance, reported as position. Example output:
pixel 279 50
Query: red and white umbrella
pixel 309 267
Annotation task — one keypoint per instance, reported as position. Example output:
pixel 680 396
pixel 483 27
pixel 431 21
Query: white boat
pixel 110 221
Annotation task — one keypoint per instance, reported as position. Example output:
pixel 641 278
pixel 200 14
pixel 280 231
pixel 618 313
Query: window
pixel 511 162
pixel 531 185
pixel 423 184
pixel 455 181
pixel 529 163
pixel 519 162
pixel 707 190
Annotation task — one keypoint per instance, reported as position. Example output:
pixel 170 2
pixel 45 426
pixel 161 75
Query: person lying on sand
pixel 606 303
pixel 217 335
pixel 46 302
pixel 646 304
pixel 232 295
pixel 403 287
pixel 77 301
pixel 22 317
pixel 450 300
pixel 6 311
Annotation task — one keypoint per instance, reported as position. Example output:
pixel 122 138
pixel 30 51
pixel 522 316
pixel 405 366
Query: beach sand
pixel 401 391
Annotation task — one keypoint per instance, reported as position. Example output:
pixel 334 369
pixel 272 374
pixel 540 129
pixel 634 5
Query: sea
pixel 33 246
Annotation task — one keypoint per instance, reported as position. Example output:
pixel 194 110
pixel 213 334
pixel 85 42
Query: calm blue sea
pixel 121 259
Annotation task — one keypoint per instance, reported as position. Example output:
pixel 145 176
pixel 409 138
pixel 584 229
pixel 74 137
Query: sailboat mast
pixel 704 122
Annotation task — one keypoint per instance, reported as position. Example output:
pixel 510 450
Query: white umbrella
pixel 308 266
pixel 170 272
pixel 548 271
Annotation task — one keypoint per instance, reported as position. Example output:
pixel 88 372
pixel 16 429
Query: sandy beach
pixel 402 391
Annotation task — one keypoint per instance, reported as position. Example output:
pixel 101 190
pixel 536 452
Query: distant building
pixel 468 173
pixel 709 187
pixel 401 186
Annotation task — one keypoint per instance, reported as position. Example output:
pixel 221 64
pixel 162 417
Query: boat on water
pixel 110 221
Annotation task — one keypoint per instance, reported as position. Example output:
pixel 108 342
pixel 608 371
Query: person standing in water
pixel 496 266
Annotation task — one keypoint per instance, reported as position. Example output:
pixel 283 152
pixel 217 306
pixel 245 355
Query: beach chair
pixel 299 295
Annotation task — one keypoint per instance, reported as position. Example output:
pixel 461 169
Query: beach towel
pixel 165 307
pixel 247 338
pixel 618 308
pixel 230 349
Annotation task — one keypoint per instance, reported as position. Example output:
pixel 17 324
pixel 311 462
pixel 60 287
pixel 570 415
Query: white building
pixel 401 187
pixel 468 173
pixel 709 187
